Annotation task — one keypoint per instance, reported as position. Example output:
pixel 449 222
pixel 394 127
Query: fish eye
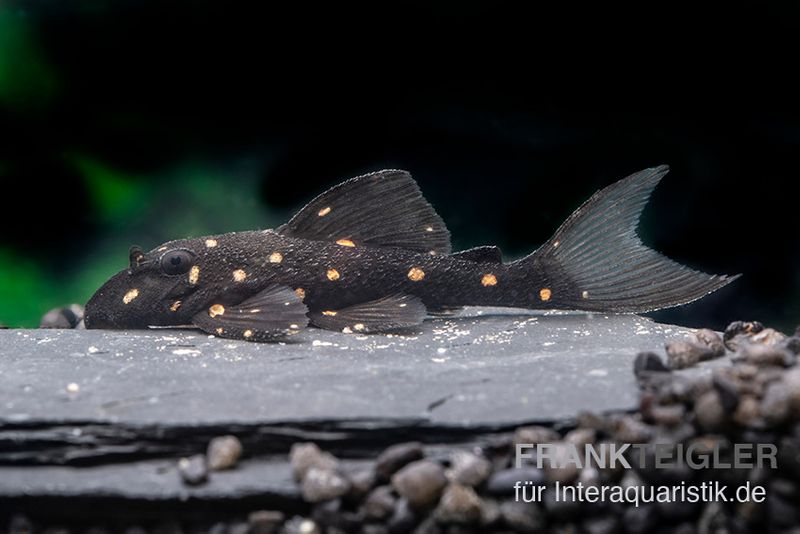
pixel 176 262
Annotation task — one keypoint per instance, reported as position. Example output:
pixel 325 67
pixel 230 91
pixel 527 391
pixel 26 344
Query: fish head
pixel 163 287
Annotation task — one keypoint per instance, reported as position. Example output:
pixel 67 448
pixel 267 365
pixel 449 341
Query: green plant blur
pixel 145 212
pixel 133 210
pixel 191 198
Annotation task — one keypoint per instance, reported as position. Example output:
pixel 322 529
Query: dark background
pixel 138 122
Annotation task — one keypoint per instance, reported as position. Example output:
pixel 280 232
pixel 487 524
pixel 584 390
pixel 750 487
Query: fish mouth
pixel 119 303
pixel 100 309
pixel 136 300
pixel 98 321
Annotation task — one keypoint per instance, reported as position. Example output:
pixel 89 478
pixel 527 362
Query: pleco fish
pixel 372 255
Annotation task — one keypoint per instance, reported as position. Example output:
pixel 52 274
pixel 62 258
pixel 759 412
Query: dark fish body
pixel 371 255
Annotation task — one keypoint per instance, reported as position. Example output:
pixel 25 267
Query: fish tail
pixel 596 262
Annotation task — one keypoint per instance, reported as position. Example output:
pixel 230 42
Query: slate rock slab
pixel 487 368
pixel 87 416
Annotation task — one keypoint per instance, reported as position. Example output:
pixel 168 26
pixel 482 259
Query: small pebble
pixel 766 375
pixel 709 412
pixel 648 362
pixel 560 509
pixel 361 482
pixel 631 480
pixel 490 513
pixel 523 517
pixel 777 403
pixel 421 483
pixel 193 470
pixel 683 354
pixel 580 437
pixel 379 504
pixel 628 429
pixel 728 391
pixel 560 469
pixel 589 476
pixel 792 380
pixel 738 331
pixel 761 355
pixel 459 504
pixel 670 415
pixel 601 525
pixel 748 412
pixel 769 337
pixel 595 421
pixel 395 457
pixel 223 452
pixel 265 521
pixel 63 317
pixel 469 469
pixel 677 433
pixel 711 340
pixel 323 484
pixel 300 525
pixel 304 456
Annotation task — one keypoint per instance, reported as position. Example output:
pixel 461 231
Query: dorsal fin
pixel 484 254
pixel 380 209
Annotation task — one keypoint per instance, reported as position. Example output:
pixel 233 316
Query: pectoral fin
pixel 389 313
pixel 445 311
pixel 273 313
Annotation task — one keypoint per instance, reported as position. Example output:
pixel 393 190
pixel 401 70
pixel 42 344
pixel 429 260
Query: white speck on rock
pixel 186 352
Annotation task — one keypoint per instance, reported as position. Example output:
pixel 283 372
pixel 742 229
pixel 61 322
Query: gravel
pixel 223 452
pixel 193 470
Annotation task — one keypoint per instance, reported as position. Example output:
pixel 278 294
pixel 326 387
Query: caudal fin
pixel 596 262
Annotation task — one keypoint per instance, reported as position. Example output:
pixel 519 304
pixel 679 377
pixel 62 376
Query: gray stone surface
pixel 90 415
pixel 485 368
pixel 152 480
